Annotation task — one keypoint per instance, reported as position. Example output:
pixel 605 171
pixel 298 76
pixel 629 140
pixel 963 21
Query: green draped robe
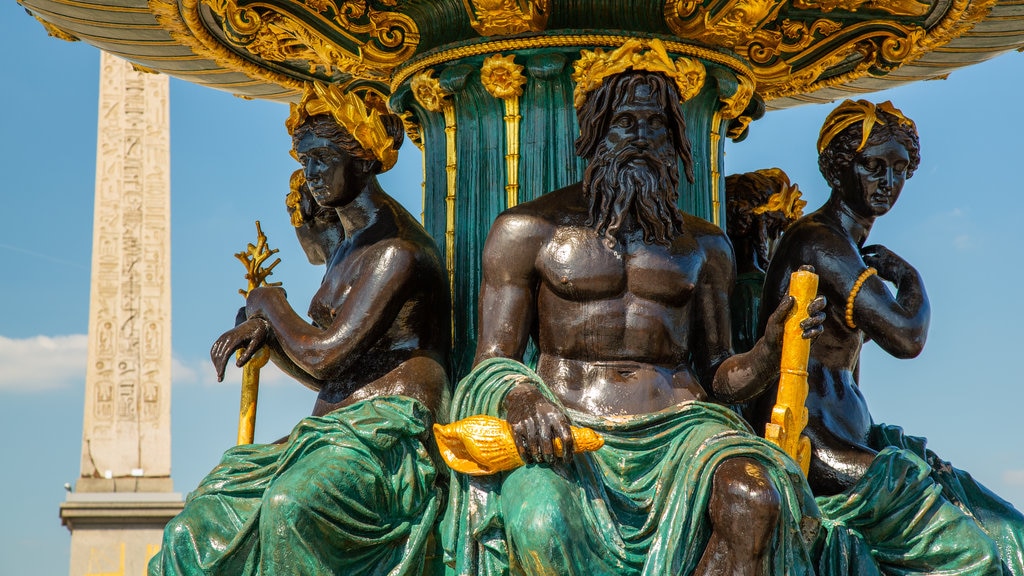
pixel 348 493
pixel 636 506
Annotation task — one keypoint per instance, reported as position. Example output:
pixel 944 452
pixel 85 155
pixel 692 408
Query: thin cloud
pixel 1014 478
pixel 42 363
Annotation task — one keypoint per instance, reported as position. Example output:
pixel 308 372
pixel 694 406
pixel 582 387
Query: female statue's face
pixel 875 178
pixel 331 174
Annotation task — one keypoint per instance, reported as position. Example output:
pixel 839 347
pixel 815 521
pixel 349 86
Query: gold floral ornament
pixel 428 92
pixel 787 201
pixel 359 115
pixel 502 77
pixel 483 445
pixel 594 66
pixel 849 113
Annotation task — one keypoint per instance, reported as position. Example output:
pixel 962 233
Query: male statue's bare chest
pixel 577 266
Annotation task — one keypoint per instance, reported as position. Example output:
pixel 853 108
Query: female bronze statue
pixel 888 503
pixel 352 489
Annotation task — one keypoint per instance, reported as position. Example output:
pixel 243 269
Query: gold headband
pixel 361 117
pixel 849 113
pixel 594 66
pixel 787 200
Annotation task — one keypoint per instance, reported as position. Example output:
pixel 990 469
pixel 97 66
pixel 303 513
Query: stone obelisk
pixel 124 495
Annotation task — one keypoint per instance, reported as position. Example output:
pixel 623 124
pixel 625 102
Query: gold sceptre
pixel 483 445
pixel 789 416
pixel 253 259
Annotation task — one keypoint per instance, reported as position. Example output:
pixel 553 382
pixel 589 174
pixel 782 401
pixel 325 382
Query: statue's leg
pixel 546 525
pixel 340 510
pixel 744 508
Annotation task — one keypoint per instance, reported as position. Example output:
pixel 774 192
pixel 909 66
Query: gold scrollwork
pixel 504 79
pixel 507 17
pixel 55 31
pixel 735 103
pixel 368 43
pixel 800 52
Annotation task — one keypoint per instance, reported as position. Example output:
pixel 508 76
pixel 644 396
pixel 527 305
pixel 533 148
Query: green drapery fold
pixel 913 513
pixel 348 493
pixel 636 506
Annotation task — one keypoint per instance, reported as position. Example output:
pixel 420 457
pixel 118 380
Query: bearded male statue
pixel 627 299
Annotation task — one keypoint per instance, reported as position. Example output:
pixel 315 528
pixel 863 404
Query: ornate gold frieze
pixel 507 17
pixel 363 42
pixel 416 65
pixel 329 40
pixel 504 79
pixel 793 49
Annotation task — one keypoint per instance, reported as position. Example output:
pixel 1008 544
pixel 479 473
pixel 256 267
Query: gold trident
pixel 253 259
pixel 789 416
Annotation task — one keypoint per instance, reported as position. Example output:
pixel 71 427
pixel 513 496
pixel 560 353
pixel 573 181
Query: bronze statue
pixel 627 300
pixel 759 206
pixel 353 486
pixel 878 487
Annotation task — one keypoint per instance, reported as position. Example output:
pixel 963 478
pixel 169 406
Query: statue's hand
pixel 890 266
pixel 536 423
pixel 250 336
pixel 812 326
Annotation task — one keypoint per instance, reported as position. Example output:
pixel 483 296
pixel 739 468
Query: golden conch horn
pixel 483 445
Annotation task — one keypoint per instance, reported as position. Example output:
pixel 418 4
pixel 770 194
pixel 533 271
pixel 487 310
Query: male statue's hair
pixel 324 126
pixel 841 151
pixel 612 183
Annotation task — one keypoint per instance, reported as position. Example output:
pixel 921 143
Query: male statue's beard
pixel 617 187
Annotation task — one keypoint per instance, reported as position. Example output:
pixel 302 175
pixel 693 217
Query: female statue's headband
pixel 594 66
pixel 361 117
pixel 849 113
pixel 787 201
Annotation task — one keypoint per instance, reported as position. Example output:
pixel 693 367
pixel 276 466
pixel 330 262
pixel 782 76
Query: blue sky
pixel 958 221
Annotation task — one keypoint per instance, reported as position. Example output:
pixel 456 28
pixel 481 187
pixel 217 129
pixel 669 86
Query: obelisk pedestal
pixel 124 496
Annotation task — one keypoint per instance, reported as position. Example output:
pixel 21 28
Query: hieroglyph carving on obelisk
pixel 127 429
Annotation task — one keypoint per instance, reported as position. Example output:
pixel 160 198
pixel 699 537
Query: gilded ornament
pixel 594 66
pixel 735 104
pixel 483 445
pixel 294 197
pixel 55 31
pixel 502 77
pixel 428 92
pixel 862 111
pixel 357 114
pixel 787 201
pixel 801 52
pixel 507 17
pixel 416 65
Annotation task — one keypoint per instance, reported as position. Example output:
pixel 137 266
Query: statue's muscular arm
pixel 742 377
pixel 380 287
pixel 899 325
pixel 507 312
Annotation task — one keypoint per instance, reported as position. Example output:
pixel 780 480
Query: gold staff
pixel 789 416
pixel 253 258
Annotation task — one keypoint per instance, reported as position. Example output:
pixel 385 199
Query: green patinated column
pixel 499 128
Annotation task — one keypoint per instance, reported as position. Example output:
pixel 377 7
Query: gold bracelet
pixel 853 294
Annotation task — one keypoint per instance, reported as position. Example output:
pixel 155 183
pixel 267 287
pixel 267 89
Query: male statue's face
pixel 873 182
pixel 641 122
